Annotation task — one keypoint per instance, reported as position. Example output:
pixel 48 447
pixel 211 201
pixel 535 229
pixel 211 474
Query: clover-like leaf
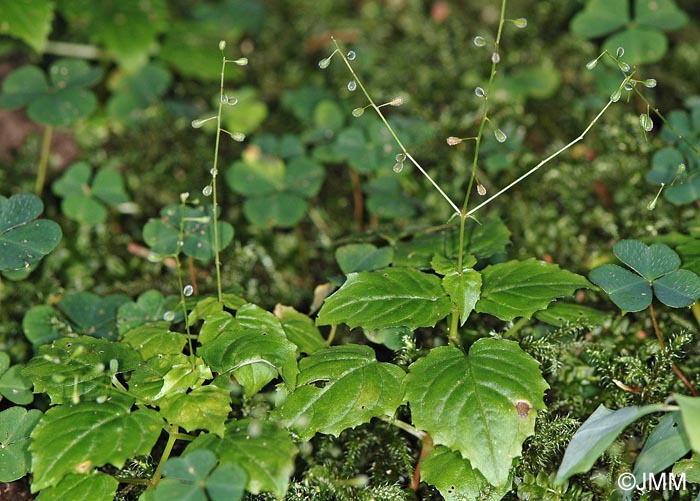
pixel 455 478
pixel 520 288
pixel 253 346
pixel 482 405
pixel 363 257
pixel 16 423
pixel 13 385
pixel 150 306
pixel 64 103
pixel 24 240
pixel 162 235
pixel 656 267
pixel 387 298
pixel 338 388
pixel 264 451
pixel 596 434
pixel 76 438
pixel 84 199
pixel 134 94
pixel 92 315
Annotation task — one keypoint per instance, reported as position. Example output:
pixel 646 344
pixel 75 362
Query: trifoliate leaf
pixel 16 423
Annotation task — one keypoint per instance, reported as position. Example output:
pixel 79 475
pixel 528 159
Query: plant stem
pixel 696 311
pixel 453 333
pixel 172 438
pixel 516 327
pixel 426 447
pixel 675 368
pixel 69 49
pixel 357 199
pixel 43 160
pixel 420 435
pixel 217 261
pixel 331 335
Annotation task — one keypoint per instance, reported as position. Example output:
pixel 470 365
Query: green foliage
pixel 642 36
pixel 63 102
pixel 23 239
pixel 28 21
pixel 16 424
pixel 655 266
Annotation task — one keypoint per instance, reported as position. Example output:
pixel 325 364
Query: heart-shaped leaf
pixel 150 306
pixel 79 437
pixel 651 262
pixel 600 17
pixel 264 451
pixel 24 240
pixel 387 298
pixel 627 290
pixel 16 423
pixel 661 14
pixel 482 405
pixel 13 385
pixel 338 388
pixel 678 289
pixel 642 45
pixel 363 257
pixel 520 288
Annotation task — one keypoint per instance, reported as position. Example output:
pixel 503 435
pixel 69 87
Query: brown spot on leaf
pixel 523 407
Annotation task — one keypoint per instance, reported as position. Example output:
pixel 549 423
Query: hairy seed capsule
pixel 398 167
pixel 453 141
pixel 169 316
pixel 500 136
pixel 480 189
pixel 495 58
pixel 649 83
pixel 615 97
pixel 521 22
pixel 397 101
pixel 196 124
pixel 352 85
pixel 323 63
pixel 620 52
pixel 241 61
pixel 188 290
pixel 646 122
pixel 624 67
pixel 400 157
pixel 357 112
pixel 222 45
pixel 207 190
pixel 351 55
pixel 237 136
pixel 480 92
pixel 479 41
pixel 591 64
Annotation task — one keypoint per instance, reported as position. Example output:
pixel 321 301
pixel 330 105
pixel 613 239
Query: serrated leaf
pixel 520 288
pixel 363 257
pixel 146 382
pixel 24 240
pixel 28 21
pixel 665 445
pixel 75 438
pixel 455 478
pixel 149 307
pixel 690 413
pixel 338 388
pixel 154 339
pixel 560 314
pixel 73 368
pixel 387 298
pixel 204 408
pixel 253 346
pixel 482 405
pixel 95 487
pixel 16 424
pixel 627 290
pixel 183 376
pixel 688 467
pixel 264 451
pixel 299 329
pixel 464 290
pixel 596 434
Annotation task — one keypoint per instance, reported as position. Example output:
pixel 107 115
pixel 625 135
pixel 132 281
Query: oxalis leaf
pixel 264 451
pixel 387 298
pixel 596 434
pixel 24 240
pixel 16 423
pixel 520 288
pixel 338 388
pixel 482 405
pixel 77 438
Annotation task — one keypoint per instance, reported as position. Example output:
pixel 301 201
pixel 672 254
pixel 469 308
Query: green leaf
pixel 304 176
pixel 204 408
pixel 560 314
pixel 14 386
pixel 227 482
pixel 684 193
pixel 253 346
pixel 149 307
pixel 41 324
pixel 664 166
pixel 455 478
pixel 596 434
pixel 134 94
pixel 256 175
pixel 162 235
pixel 16 424
pixel 688 467
pixel 690 412
pixel 338 388
pixel 690 252
pixel 108 186
pixel 665 445
pixel 147 381
pixel 600 17
pixel 363 257
pixel 28 21
pixel 464 290
pixel 627 290
pixel 300 329
pixel 95 487
pixel 187 374
pixel 642 45
pixel 387 298
pixel 23 86
pixel 282 210
pixel 23 239
pixel 520 288
pixel 264 451
pixel 247 115
pixel 62 108
pixel 393 338
pixel 678 289
pixel 154 339
pixel 84 209
pixel 482 405
pixel 79 437
pixel 661 14
pixel 91 314
pixel 78 368
pixel 651 262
